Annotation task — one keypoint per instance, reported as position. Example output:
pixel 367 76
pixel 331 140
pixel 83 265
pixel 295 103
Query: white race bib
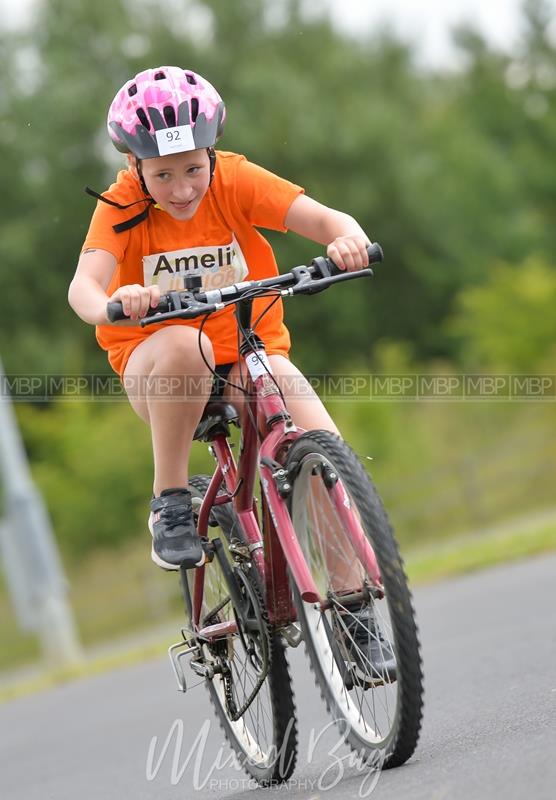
pixel 258 364
pixel 218 266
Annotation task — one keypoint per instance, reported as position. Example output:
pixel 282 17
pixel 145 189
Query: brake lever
pixel 303 276
pixel 313 287
pixel 194 310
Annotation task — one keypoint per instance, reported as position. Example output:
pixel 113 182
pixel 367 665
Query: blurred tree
pixel 508 323
pixel 450 171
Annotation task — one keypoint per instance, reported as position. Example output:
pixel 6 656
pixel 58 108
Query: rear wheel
pixel 363 646
pixel 253 695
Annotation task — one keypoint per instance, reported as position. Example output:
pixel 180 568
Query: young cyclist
pixel 199 211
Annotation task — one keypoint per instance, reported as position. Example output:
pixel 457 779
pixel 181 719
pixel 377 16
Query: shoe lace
pixel 174 516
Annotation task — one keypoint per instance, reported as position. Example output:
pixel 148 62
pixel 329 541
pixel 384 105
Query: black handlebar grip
pixel 374 251
pixel 115 311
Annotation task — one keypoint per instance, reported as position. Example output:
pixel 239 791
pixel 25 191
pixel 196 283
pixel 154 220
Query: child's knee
pixel 179 350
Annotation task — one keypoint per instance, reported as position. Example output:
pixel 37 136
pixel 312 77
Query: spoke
pixel 258 708
pixel 329 538
pixel 264 691
pixel 256 736
pixel 241 680
pixel 361 693
pixel 373 712
pixel 243 719
pixel 257 731
pixel 345 613
pixel 249 711
pixel 328 544
pixel 259 700
pixel 246 675
pixel 335 566
pixel 255 707
pixel 342 646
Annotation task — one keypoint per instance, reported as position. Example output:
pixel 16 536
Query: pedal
pixel 176 657
pixel 207 671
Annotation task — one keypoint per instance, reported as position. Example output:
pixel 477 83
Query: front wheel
pixel 362 640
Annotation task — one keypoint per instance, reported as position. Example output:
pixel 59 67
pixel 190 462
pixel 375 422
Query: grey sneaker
pixel 368 649
pixel 175 539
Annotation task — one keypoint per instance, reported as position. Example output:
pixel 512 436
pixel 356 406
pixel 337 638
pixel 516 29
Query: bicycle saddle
pixel 216 418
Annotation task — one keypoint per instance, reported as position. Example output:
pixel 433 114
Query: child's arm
pixel 87 292
pixel 347 242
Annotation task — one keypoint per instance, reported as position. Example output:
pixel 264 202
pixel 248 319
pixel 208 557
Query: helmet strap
pixel 141 178
pixel 129 223
pixel 212 161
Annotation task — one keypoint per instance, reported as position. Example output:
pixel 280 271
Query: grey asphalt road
pixel 489 646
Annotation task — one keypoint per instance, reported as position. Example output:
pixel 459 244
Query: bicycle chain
pixel 231 706
pixel 214 611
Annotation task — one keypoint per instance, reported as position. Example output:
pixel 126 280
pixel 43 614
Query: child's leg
pixel 168 386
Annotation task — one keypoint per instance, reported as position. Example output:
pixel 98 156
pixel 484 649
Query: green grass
pixel 475 553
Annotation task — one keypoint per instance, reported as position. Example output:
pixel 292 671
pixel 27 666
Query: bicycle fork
pixel 277 485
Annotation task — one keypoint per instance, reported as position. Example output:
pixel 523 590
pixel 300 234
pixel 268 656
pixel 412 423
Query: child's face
pixel 178 182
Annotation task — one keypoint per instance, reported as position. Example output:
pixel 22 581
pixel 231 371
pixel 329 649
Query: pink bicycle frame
pixel 266 421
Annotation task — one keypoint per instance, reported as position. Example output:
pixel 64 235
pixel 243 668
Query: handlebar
pixel 185 304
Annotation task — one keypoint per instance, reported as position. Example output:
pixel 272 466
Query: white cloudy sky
pixel 425 21
pixel 429 21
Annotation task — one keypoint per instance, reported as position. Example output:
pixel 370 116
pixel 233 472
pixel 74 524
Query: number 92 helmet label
pixel 175 140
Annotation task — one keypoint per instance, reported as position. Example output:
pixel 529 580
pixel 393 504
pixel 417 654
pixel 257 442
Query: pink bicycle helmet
pixel 161 99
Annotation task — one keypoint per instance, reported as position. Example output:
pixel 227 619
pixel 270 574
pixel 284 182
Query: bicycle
pixel 273 575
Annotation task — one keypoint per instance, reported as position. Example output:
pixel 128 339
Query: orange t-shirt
pixel 220 243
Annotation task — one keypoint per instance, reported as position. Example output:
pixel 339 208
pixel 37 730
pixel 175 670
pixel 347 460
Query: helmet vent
pixel 132 89
pixel 170 116
pixel 144 120
pixel 190 79
pixel 194 108
pixel 160 76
